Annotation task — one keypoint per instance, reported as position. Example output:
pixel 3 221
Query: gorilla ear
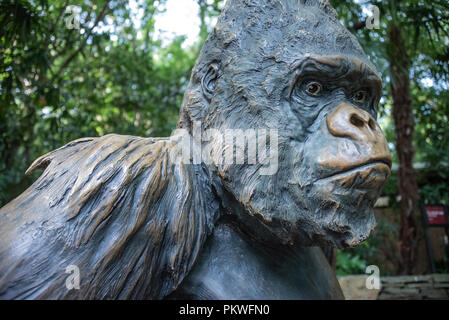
pixel 208 81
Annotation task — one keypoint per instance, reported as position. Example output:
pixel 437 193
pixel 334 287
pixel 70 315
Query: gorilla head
pixel 291 66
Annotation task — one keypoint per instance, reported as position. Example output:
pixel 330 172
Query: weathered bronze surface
pixel 139 221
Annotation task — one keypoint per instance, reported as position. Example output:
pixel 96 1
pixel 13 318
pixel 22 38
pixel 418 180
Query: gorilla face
pixel 345 158
pixel 333 158
pixel 292 68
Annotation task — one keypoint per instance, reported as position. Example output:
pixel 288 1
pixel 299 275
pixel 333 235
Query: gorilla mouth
pixel 346 239
pixel 370 175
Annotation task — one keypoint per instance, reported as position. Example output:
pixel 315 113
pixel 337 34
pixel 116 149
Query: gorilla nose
pixel 351 122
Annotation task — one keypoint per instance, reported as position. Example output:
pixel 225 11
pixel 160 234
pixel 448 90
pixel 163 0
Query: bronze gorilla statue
pixel 141 222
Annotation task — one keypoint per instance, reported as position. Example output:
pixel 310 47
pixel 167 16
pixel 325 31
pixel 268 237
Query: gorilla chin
pixel 347 199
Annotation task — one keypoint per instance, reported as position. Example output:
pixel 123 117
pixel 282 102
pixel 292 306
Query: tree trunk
pixel 404 128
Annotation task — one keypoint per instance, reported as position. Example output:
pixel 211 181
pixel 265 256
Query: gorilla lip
pixel 370 174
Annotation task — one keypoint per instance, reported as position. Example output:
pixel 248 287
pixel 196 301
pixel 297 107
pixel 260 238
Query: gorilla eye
pixel 313 88
pixel 360 96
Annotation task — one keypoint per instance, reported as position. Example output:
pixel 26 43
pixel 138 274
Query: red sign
pixel 435 215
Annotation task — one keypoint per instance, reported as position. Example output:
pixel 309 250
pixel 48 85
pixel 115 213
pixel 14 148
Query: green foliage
pixel 58 83
pixel 432 142
pixel 349 263
pixel 437 193
pixel 208 9
pixel 442 266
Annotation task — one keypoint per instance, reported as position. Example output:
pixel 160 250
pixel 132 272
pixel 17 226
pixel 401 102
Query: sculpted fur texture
pixel 142 219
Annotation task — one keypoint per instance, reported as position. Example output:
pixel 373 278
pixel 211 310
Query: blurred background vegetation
pixel 115 73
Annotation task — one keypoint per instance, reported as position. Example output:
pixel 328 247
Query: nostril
pixel 372 125
pixel 355 120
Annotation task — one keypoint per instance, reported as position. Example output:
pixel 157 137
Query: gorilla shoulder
pixel 120 208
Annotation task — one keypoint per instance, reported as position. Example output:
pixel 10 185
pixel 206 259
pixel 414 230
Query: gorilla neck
pixel 236 263
pixel 232 266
